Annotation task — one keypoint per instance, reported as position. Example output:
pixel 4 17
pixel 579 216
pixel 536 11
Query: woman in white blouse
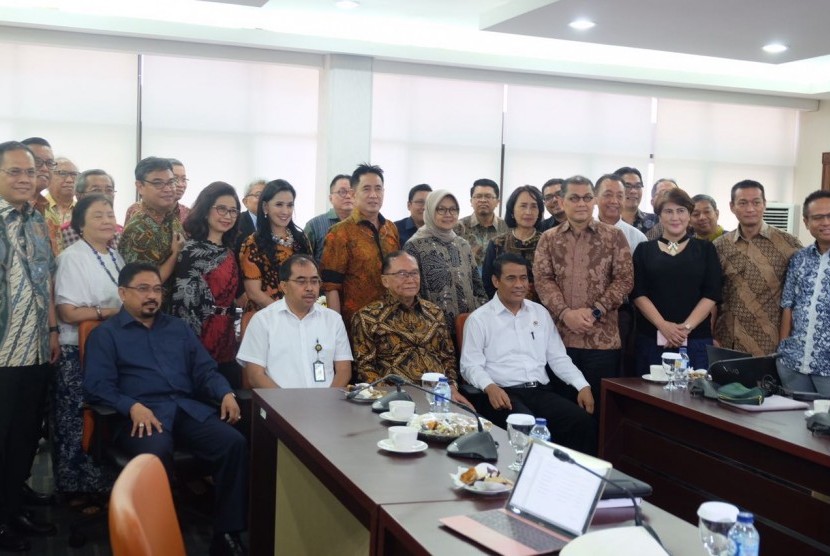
pixel 86 288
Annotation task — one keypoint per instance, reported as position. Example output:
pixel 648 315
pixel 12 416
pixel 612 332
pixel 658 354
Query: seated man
pixel 296 343
pixel 507 342
pixel 403 334
pixel 149 367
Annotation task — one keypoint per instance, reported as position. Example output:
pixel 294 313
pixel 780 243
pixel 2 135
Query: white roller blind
pixel 439 131
pixel 233 121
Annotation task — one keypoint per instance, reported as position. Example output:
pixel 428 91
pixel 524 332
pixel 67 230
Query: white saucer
pixel 387 445
pixel 387 416
pixel 649 378
pixel 493 489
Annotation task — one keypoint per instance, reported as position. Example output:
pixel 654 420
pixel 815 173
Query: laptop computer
pixel 552 503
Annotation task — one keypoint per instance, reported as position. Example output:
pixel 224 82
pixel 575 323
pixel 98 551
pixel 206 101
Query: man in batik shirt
pixel 403 334
pixel 483 225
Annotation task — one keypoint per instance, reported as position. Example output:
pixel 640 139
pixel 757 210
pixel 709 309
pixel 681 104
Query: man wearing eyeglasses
pixel 553 202
pixel 295 342
pixel 28 338
pixel 584 271
pixel 402 333
pixel 91 182
pixel 150 367
pixel 154 234
pixel 44 164
pixel 631 213
pixel 483 225
pixel 181 211
pixel 247 220
pixel 415 205
pixel 342 203
pixel 61 200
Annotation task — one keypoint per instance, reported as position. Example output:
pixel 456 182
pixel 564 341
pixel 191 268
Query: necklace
pixel 525 240
pixel 101 261
pixel 673 246
pixel 287 241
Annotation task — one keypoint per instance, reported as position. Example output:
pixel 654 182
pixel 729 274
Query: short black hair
pixel 533 191
pixel 484 182
pixel 552 182
pixel 287 265
pixel 420 187
pixel 337 178
pixel 389 257
pixel 196 224
pixel 79 211
pixel 576 180
pixel 362 170
pixel 747 184
pixel 700 197
pixel 606 177
pixel 151 164
pixel 36 141
pixel 628 170
pixel 131 269
pixel 506 258
pixel 10 146
pixel 814 196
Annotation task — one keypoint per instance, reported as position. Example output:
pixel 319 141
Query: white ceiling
pixel 709 44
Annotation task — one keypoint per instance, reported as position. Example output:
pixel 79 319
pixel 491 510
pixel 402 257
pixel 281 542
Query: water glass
pixel 518 433
pixel 670 360
pixel 715 519
pixel 429 381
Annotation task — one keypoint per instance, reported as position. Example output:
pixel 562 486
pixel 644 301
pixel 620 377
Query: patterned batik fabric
pixel 806 292
pixel 478 235
pixel 508 243
pixel 753 277
pixel 257 265
pixel 391 338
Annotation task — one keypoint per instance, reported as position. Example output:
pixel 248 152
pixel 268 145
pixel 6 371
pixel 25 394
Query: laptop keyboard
pixel 518 530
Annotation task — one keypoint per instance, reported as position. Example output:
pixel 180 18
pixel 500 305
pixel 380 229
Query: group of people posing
pixel 555 304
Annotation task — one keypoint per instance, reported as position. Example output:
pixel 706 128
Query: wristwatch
pixel 687 326
pixel 597 313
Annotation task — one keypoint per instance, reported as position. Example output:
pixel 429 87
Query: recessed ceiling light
pixel 347 4
pixel 581 24
pixel 775 48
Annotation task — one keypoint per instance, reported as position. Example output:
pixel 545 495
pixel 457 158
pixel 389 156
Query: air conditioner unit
pixel 784 216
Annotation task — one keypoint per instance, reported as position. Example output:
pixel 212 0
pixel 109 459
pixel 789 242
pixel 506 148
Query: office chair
pixel 142 518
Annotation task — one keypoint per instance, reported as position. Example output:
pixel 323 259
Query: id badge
pixel 319 371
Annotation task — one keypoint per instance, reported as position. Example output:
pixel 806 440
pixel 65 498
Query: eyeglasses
pixel 159 184
pixel 576 198
pixel 484 197
pixel 145 289
pixel 254 195
pixel 17 172
pixel 51 164
pixel 819 218
pixel 64 174
pixel 222 210
pixel 342 192
pixel 550 197
pixel 183 180
pixel 303 282
pixel 444 211
pixel 637 185
pixel 105 191
pixel 404 274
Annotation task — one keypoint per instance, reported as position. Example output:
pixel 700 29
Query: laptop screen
pixel 554 493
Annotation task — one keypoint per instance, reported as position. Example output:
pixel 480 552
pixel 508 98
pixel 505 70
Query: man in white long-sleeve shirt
pixel 507 343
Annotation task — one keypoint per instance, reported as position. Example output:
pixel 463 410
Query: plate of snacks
pixel 484 479
pixel 367 394
pixel 446 426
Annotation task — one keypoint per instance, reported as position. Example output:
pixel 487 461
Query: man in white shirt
pixel 507 343
pixel 296 343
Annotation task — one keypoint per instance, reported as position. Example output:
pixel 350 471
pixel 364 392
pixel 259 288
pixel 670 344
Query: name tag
pixel 319 371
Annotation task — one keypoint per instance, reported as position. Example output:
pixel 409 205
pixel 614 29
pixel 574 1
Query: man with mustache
pixel 296 343
pixel 149 367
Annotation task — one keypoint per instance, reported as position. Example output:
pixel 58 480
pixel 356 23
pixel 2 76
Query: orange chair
pixel 142 518
pixel 84 328
pixel 459 329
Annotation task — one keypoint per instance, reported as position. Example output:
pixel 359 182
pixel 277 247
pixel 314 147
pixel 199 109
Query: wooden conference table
pixel 692 450
pixel 321 485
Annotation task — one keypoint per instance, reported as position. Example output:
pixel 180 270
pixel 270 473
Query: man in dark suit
pixel 150 368
pixel 247 220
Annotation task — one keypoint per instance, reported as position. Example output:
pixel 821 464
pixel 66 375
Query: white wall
pixel 813 140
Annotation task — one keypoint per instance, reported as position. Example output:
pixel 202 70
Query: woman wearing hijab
pixel 449 277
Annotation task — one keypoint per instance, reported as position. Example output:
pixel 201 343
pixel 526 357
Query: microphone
pixel 353 394
pixel 382 404
pixel 474 445
pixel 562 455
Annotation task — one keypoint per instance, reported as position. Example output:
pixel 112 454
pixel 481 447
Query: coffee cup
pixel 403 438
pixel 657 372
pixel 402 409
pixel 821 406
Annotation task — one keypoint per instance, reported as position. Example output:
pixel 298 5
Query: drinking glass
pixel 715 519
pixel 518 433
pixel 669 364
pixel 429 381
